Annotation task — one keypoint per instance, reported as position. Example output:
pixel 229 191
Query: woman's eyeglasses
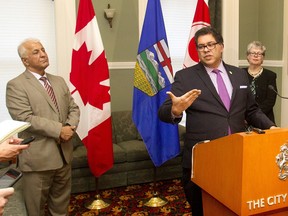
pixel 256 54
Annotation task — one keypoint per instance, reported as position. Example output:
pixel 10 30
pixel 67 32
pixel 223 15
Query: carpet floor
pixel 132 200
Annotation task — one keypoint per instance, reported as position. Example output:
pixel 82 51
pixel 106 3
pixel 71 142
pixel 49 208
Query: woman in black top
pixel 260 78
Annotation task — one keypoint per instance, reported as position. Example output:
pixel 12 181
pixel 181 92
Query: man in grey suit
pixel 54 116
pixel 197 92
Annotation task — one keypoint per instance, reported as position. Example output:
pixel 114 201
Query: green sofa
pixel 132 163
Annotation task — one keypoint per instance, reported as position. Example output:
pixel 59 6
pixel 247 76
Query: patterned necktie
pixel 222 90
pixel 50 91
pixel 253 87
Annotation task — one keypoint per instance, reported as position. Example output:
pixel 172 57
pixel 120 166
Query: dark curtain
pixel 215 7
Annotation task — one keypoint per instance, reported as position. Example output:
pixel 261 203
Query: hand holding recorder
pixel 10 148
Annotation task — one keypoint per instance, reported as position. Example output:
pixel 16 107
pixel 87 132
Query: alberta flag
pixel 153 77
pixel 201 19
pixel 90 83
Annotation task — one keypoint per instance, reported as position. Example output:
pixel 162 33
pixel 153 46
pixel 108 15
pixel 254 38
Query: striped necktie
pixel 50 91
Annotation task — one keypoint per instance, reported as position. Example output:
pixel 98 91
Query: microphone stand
pixel 273 89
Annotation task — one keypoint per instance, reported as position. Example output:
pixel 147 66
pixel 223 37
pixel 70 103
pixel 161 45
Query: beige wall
pixel 261 20
pixel 121 45
pixel 120 41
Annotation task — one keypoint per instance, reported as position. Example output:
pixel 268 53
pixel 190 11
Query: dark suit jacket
pixel 265 97
pixel 207 118
pixel 27 100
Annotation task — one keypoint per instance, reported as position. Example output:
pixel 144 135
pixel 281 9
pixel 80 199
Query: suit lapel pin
pixel 230 72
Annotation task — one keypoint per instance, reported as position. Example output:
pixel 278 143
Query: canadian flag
pixel 90 83
pixel 201 19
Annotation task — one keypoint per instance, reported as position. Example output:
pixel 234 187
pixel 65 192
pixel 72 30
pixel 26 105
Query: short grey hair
pixel 255 44
pixel 22 49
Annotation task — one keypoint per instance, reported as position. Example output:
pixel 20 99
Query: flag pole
pixel 155 201
pixel 97 203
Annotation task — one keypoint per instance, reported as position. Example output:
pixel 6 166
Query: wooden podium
pixel 239 175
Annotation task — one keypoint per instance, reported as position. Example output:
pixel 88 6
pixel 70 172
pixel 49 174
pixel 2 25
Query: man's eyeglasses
pixel 209 46
pixel 256 54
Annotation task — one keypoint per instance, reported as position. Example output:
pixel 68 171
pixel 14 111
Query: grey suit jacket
pixel 207 118
pixel 27 100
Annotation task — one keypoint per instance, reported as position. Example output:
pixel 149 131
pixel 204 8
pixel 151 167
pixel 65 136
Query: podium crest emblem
pixel 282 162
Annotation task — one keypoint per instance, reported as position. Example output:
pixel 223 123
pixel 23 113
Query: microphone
pixel 273 89
pixel 258 130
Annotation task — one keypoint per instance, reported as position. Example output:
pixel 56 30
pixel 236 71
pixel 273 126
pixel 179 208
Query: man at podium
pixel 217 100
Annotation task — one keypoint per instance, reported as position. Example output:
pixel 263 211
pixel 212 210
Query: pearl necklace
pixel 255 74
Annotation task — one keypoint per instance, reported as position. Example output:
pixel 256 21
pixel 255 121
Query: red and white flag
pixel 201 19
pixel 91 90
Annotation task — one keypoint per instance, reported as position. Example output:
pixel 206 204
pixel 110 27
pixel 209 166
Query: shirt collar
pixel 220 67
pixel 37 76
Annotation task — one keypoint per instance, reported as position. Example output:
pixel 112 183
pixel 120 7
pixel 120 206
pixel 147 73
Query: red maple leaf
pixel 87 78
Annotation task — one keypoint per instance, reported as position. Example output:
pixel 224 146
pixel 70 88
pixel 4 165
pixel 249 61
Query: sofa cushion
pixel 76 141
pixel 123 127
pixel 119 153
pixel 80 156
pixel 135 150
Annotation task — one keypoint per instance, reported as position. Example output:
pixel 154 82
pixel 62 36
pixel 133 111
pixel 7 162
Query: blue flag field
pixel 153 77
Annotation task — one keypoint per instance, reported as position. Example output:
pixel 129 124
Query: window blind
pixel 178 17
pixel 20 20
